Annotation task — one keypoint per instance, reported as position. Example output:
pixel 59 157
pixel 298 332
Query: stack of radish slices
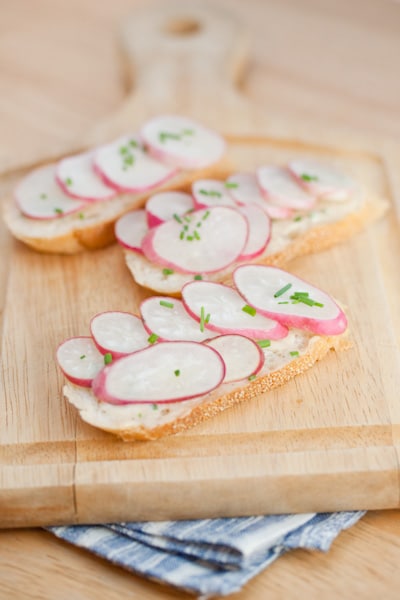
pixel 181 349
pixel 226 222
pixel 133 163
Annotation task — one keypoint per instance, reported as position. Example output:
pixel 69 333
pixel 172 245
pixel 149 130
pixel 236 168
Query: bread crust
pixel 70 234
pixel 318 348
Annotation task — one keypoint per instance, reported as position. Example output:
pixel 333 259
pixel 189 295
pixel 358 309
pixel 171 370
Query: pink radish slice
pixel 165 372
pixel 125 166
pixel 163 206
pixel 242 356
pixel 119 333
pixel 38 196
pixel 182 142
pixel 131 228
pixel 244 189
pixel 211 192
pixel 80 360
pixel 259 231
pixel 219 308
pixel 78 179
pixel 322 179
pixel 169 320
pixel 280 188
pixel 205 241
pixel 275 293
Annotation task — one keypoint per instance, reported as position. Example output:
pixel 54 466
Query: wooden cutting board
pixel 327 441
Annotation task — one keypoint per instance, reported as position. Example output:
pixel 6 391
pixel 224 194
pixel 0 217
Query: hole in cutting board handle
pixel 183 27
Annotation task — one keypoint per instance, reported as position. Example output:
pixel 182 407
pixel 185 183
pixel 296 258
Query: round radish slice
pixel 131 228
pixel 322 179
pixel 167 205
pixel 166 372
pixel 118 333
pixel 290 300
pixel 181 142
pixel 244 189
pixel 242 356
pixel 38 196
pixel 205 241
pixel 169 320
pixel 80 360
pixel 280 188
pixel 221 308
pixel 126 167
pixel 259 231
pixel 211 192
pixel 78 179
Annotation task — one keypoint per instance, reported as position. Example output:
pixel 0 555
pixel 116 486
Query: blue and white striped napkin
pixel 207 557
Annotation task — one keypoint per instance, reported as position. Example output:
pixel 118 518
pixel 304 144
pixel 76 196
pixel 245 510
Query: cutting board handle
pixel 179 51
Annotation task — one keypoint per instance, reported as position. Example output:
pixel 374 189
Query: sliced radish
pixel 182 142
pixel 38 196
pixel 165 372
pixel 125 166
pixel 205 241
pixel 169 320
pixel 322 179
pixel 221 308
pixel 163 206
pixel 280 188
pixel 242 356
pixel 259 231
pixel 290 300
pixel 80 360
pixel 244 189
pixel 78 179
pixel 131 228
pixel 211 192
pixel 118 333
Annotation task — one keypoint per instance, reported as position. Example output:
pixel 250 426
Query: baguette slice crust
pixel 93 226
pixel 133 423
pixel 297 240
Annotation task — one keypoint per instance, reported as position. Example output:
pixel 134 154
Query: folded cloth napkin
pixel 209 557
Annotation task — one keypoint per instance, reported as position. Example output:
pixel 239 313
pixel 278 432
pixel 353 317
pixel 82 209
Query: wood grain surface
pixel 60 83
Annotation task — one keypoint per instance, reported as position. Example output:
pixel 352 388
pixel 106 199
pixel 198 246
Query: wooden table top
pixel 59 74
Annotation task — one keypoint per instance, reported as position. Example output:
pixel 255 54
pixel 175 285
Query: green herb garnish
pixel 250 310
pixel 83 356
pixel 304 298
pixel 206 215
pixel 129 160
pixel 251 377
pixel 167 135
pixel 202 317
pixel 108 358
pixel 294 353
pixel 154 406
pixel 152 338
pixel 188 132
pixel 198 277
pixel 282 290
pixel 264 343
pixel 196 234
pixel 177 218
pixel 177 373
pixel 307 177
pixel 213 193
pixel 166 304
pixel 58 211
pixel 298 218
pixel 133 143
pixel 68 181
pixel 231 185
pixel 43 196
pixel 123 150
pixel 167 271
pixel 81 215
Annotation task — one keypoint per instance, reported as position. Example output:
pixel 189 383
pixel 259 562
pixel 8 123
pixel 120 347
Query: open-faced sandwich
pixel 181 361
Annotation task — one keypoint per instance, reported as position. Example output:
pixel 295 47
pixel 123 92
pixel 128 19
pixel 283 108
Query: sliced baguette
pixel 144 422
pixel 290 239
pixel 93 226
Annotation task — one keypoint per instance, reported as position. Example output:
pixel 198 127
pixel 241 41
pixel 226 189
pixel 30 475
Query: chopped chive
pixel 139 415
pixel 83 356
pixel 294 353
pixel 185 227
pixel 286 302
pixel 188 132
pixel 133 143
pixel 166 304
pixel 298 218
pixel 198 224
pixel 250 310
pixel 177 218
pixel 43 196
pixel 81 215
pixel 177 373
pixel 68 181
pixel 196 235
pixel 318 304
pixel 108 358
pixel 301 294
pixel 152 338
pixel 307 177
pixel 251 377
pixel 204 192
pixel 181 235
pixel 154 406
pixel 166 135
pixel 264 343
pixel 282 290
pixel 123 150
pixel 128 160
pixel 231 185
pixel 167 271
pixel 187 218
pixel 202 319
pixel 207 319
pixel 198 277
pixel 206 215
pixel 190 238
pixel 58 211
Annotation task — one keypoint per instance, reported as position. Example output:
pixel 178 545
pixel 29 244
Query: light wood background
pixel 59 74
